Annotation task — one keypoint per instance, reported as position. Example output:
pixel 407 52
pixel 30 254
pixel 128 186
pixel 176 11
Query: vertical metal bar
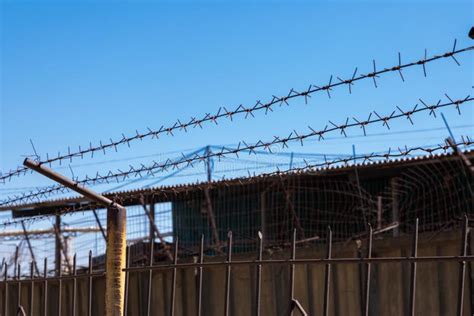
pixel 150 277
pixel 327 274
pixel 45 296
pixel 462 266
pixel 58 245
pixel 208 164
pixel 5 277
pixel 32 287
pixel 414 253
pixel 201 261
pixel 292 271
pixel 152 219
pixel 394 184
pixel 173 285
pixel 379 212
pixel 89 297
pixel 359 188
pixel 115 260
pixel 60 248
pixel 259 274
pixel 212 220
pixel 263 219
pixel 60 289
pixel 19 285
pixel 228 273
pixel 17 253
pixel 74 286
pixel 127 276
pixel 291 207
pixel 367 275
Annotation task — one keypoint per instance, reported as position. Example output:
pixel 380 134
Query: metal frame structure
pixel 294 306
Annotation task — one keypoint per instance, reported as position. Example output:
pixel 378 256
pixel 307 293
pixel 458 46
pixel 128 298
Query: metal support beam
pixel 87 193
pixel 116 238
pixel 291 208
pixel 46 233
pixel 100 224
pixel 155 230
pixel 58 247
pixel 212 221
pixel 27 238
pixel 152 220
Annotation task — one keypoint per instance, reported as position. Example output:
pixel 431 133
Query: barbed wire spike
pixel 246 111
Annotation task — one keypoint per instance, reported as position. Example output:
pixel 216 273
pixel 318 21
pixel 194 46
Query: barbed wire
pixel 189 160
pixel 222 112
pixel 315 168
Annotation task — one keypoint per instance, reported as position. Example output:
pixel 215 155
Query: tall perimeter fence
pixel 322 237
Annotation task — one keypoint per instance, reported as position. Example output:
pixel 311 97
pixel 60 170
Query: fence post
pixel 116 238
pixel 115 261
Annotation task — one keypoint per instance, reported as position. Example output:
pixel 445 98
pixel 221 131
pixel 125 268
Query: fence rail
pixel 366 260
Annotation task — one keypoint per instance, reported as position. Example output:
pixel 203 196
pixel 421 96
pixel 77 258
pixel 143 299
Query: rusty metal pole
pixel 115 261
pixel 116 238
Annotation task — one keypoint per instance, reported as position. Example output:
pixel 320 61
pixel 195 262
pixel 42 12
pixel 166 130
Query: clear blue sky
pixel 74 72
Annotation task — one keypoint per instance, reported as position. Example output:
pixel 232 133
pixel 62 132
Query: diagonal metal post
pixel 156 230
pixel 94 211
pixel 27 238
pixel 116 237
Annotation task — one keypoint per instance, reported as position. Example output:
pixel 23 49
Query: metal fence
pixel 34 294
pixel 293 205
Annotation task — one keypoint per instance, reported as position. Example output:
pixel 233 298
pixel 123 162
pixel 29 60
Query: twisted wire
pixel 242 146
pixel 240 110
pixel 316 168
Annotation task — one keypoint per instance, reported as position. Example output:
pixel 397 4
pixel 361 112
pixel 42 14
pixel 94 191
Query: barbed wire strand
pixel 189 160
pixel 222 112
pixel 316 168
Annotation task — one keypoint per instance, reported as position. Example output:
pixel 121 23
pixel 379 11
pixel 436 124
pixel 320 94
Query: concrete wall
pixel 436 293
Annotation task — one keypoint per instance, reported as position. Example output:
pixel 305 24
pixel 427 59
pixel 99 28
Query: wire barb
pixel 243 146
pixel 240 110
